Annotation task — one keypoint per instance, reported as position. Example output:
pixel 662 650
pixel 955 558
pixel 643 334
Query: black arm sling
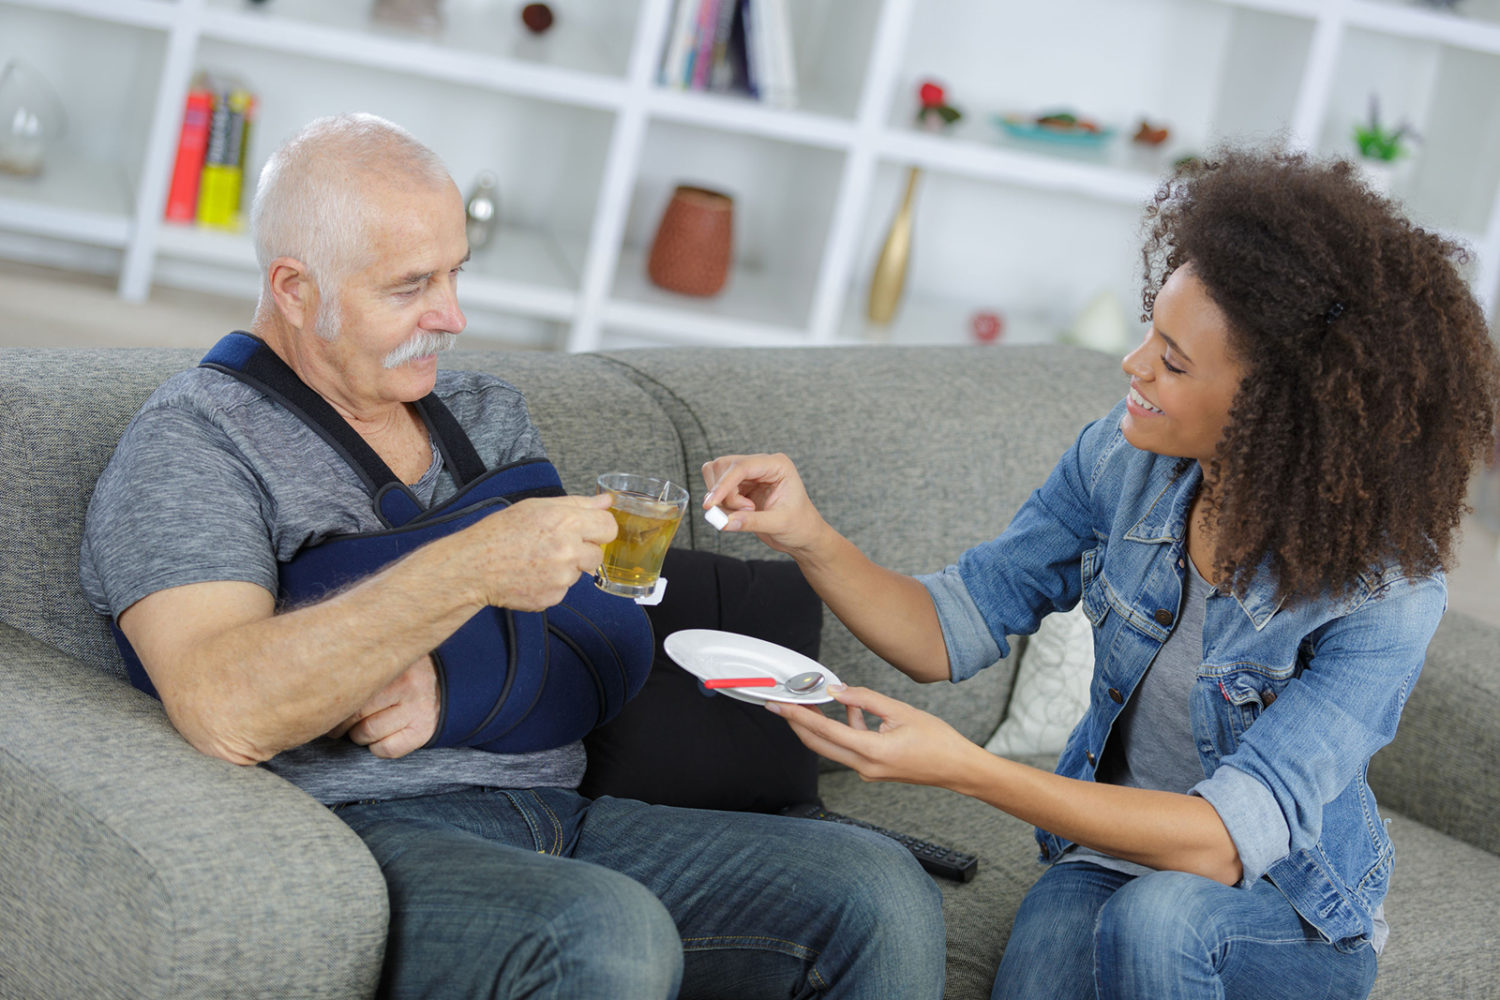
pixel 508 681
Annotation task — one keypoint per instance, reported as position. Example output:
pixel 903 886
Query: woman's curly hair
pixel 1371 385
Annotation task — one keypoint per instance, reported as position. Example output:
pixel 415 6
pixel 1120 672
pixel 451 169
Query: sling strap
pixel 508 681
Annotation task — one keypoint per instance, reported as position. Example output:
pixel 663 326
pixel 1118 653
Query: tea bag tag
pixel 716 517
pixel 657 592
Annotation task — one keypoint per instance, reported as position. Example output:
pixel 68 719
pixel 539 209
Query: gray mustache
pixel 420 346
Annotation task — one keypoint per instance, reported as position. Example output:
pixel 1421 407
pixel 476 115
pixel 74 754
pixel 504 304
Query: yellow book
pixel 221 185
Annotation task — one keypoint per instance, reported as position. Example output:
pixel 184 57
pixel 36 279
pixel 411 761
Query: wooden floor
pixel 41 307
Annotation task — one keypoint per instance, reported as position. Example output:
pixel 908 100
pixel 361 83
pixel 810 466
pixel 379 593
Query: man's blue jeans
pixel 1084 932
pixel 542 893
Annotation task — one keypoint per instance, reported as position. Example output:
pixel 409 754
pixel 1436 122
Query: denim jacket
pixel 1291 700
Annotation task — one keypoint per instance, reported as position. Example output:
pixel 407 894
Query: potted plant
pixel 1384 152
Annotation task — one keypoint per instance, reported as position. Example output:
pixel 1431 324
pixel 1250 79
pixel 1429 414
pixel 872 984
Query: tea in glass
pixel 647 511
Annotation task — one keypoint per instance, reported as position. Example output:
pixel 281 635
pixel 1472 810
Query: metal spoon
pixel 804 683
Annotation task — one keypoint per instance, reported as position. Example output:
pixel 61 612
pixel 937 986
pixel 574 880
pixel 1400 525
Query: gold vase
pixel 890 266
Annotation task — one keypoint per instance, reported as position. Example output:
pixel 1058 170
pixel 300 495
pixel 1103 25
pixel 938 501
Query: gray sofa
pixel 132 866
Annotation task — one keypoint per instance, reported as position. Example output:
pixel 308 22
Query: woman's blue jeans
pixel 1087 932
pixel 542 893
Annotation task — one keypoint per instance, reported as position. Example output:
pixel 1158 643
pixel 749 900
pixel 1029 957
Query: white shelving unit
pixel 588 145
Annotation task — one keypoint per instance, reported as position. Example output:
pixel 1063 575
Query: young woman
pixel 1257 534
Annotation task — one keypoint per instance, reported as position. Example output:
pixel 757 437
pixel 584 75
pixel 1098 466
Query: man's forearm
pixel 244 683
pixel 268 681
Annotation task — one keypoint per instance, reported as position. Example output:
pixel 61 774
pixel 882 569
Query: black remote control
pixel 936 858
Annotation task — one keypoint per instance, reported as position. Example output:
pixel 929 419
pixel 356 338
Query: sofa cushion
pixel 675 744
pixel 1449 723
pixel 1051 691
pixel 977 914
pixel 1440 907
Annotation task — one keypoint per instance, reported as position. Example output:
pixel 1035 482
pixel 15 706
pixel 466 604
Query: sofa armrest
pixel 1440 770
pixel 133 865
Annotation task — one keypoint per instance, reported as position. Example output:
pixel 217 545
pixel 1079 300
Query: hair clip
pixel 1334 312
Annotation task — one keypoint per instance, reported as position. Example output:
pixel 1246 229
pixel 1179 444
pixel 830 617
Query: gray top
pixel 214 481
pixel 1152 743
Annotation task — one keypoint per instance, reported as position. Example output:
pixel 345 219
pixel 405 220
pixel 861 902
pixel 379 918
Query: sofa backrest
pixel 914 453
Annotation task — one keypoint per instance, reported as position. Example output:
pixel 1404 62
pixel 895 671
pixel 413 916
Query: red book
pixel 192 144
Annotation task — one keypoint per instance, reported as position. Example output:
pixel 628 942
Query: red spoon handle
pixel 741 682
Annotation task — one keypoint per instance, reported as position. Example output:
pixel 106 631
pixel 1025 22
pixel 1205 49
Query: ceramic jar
pixel 694 242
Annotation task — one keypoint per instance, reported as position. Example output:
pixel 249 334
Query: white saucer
pixel 709 654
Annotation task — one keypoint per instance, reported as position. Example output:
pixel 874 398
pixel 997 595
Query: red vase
pixel 694 242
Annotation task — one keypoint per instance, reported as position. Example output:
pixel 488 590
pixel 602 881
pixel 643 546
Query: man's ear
pixel 294 291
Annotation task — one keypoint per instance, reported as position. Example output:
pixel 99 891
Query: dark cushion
pixel 674 743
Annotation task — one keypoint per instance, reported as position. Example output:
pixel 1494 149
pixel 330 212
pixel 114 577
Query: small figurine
pixel 537 17
pixel 482 209
pixel 987 327
pixel 1150 135
pixel 935 112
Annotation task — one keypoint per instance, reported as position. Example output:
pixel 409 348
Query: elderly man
pixel 503 881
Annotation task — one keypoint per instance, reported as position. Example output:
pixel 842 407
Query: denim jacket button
pixel 1090 755
pixel 1163 616
pixel 1116 696
pixel 1267 696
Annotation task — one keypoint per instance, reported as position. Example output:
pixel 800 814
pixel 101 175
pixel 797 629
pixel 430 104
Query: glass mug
pixel 647 511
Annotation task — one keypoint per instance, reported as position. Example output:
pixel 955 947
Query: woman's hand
pixel 889 612
pixel 765 495
pixel 1154 828
pixel 909 745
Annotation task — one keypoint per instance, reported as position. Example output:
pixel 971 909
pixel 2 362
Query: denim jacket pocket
pixel 1095 588
pixel 1250 689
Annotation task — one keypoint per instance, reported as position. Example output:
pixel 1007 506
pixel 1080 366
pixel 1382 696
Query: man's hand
pixel 399 718
pixel 526 556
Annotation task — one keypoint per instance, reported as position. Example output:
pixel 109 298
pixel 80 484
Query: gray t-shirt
pixel 1152 743
pixel 214 481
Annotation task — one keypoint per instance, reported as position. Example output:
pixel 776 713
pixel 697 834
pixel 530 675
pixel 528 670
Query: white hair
pixel 313 201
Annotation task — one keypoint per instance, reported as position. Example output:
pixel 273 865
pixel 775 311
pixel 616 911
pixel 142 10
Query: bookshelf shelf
pixel 730 113
pixel 142 13
pixel 86 199
pixel 1468 33
pixel 210 246
pixel 341 43
pixel 588 136
pixel 674 325
pixel 1040 169
pixel 933 321
pixel 753 299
